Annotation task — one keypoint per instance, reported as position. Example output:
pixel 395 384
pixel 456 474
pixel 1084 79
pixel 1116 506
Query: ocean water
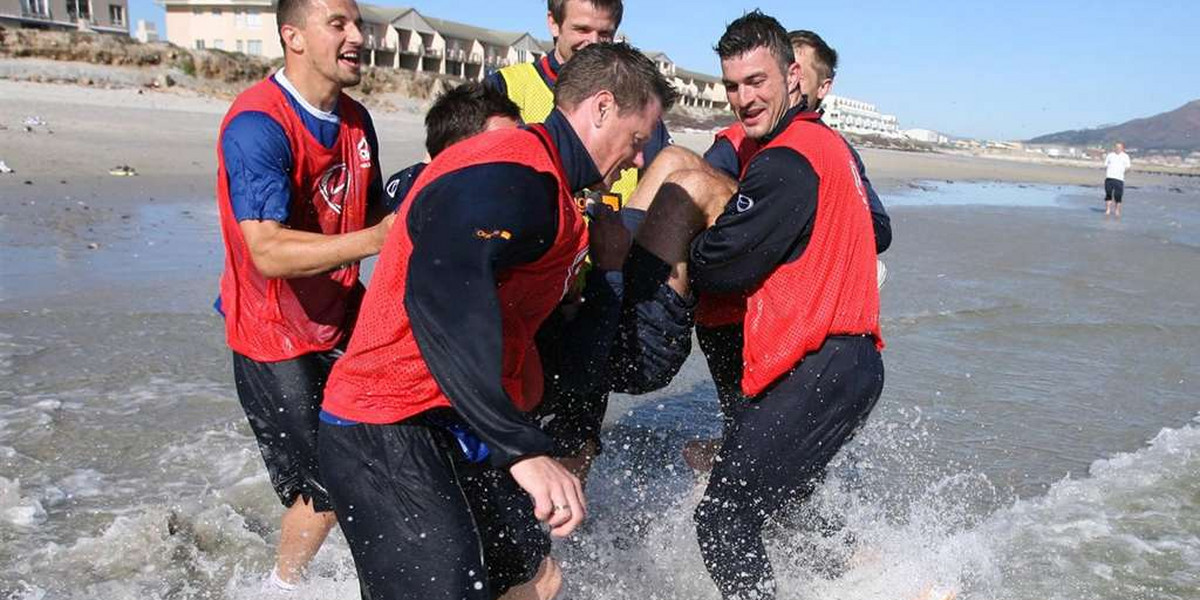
pixel 1038 436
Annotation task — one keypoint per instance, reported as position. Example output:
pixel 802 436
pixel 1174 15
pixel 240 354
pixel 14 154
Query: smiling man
pixel 298 176
pixel 438 475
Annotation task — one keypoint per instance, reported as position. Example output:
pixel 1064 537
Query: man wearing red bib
pixel 437 473
pixel 796 239
pixel 298 173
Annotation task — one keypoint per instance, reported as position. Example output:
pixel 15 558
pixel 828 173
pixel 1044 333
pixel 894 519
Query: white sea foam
pixel 17 509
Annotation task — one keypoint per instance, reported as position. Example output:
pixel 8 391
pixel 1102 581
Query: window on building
pixel 522 56
pixel 241 46
pixel 199 44
pixel 218 44
pixel 254 19
pixel 79 9
pixel 116 14
pixel 216 12
pixel 254 47
pixel 239 17
pixel 35 8
pixel 196 10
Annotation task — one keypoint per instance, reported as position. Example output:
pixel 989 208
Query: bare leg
pixel 1118 207
pixel 303 531
pixel 672 159
pixel 685 203
pixel 1108 207
pixel 544 586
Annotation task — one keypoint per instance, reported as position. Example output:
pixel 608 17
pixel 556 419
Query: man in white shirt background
pixel 1115 165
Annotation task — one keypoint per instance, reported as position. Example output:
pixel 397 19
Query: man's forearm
pixel 279 252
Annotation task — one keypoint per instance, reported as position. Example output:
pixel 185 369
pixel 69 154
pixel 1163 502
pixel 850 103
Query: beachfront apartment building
pixel 699 89
pixel 398 38
pixel 246 26
pixel 856 116
pixel 473 52
pixel 102 16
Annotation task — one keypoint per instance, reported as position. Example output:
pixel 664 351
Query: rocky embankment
pixel 117 62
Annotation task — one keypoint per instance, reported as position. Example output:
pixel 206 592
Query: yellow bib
pixel 529 92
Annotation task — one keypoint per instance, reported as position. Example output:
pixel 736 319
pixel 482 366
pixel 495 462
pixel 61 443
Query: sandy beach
pixel 169 138
pixel 1037 436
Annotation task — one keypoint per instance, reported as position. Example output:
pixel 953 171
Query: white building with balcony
pixel 856 116
pixel 474 52
pixel 101 16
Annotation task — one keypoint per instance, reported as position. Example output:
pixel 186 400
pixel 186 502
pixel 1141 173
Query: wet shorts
pixel 282 401
pixel 1114 189
pixel 421 521
pixel 654 337
pixel 652 341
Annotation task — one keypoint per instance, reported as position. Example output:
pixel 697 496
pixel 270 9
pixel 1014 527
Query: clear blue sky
pixel 1011 70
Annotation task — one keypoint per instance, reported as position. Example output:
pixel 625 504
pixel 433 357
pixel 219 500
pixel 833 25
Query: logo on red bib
pixel 333 186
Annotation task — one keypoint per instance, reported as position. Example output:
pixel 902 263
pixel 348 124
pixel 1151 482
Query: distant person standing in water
pixel 297 190
pixel 1115 165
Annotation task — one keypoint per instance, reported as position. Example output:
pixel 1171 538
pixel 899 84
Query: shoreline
pixel 61 165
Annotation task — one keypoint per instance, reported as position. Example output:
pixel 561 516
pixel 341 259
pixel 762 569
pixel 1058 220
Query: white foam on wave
pixel 17 509
pixel 152 552
pixel 1127 529
pixel 1130 529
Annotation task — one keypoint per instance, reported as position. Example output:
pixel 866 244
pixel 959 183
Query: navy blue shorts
pixel 722 347
pixel 1113 189
pixel 654 338
pixel 282 401
pixel 652 341
pixel 774 452
pixel 424 523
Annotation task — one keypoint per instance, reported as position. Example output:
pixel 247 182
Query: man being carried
pixel 437 475
pixel 298 171
pixel 631 333
pixel 812 371
pixel 459 113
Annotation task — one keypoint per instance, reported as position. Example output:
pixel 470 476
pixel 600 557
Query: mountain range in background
pixel 1177 131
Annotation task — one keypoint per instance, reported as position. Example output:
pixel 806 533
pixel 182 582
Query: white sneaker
pixel 880 272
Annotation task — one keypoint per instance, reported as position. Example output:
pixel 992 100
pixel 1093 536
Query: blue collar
pixel 580 169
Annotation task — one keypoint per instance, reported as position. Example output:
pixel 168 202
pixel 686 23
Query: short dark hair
pixel 462 112
pixel 632 78
pixel 558 8
pixel 756 30
pixel 827 57
pixel 291 12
